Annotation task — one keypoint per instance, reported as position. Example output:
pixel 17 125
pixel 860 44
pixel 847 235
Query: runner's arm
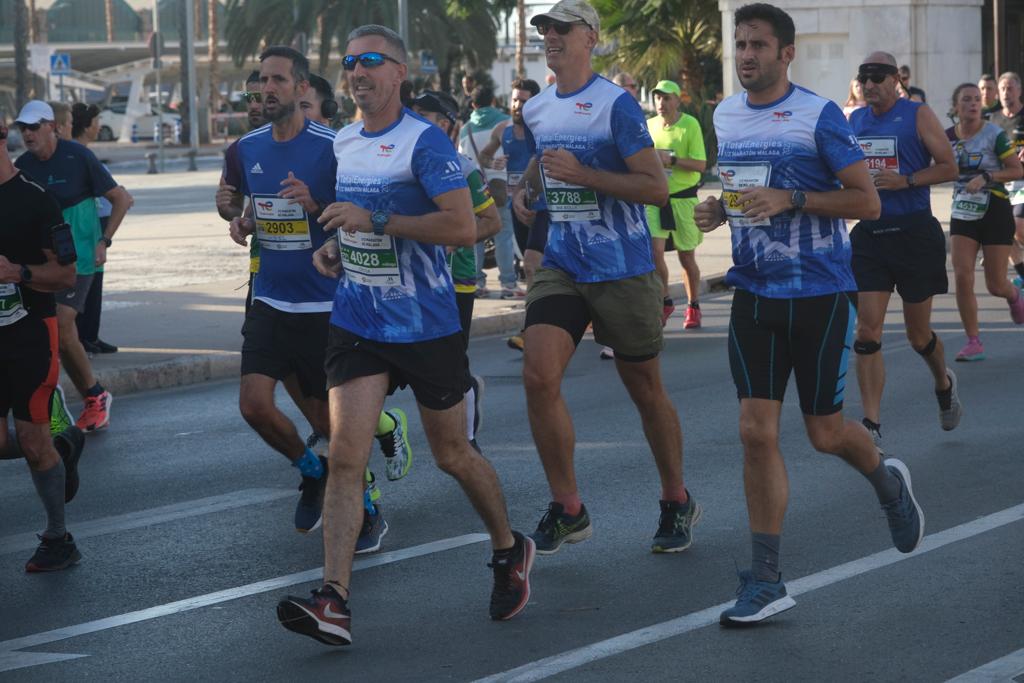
pixel 858 198
pixel 452 225
pixel 1011 166
pixel 944 169
pixel 493 145
pixel 644 182
pixel 120 202
pixel 488 222
pixel 47 277
pixel 529 187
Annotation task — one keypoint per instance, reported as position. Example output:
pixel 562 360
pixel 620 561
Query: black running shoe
pixel 675 526
pixel 104 347
pixel 69 445
pixel 512 579
pixel 54 554
pixel 311 503
pixel 324 616
pixel 556 528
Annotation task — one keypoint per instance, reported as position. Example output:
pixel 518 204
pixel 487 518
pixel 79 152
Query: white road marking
pixel 9 661
pixel 8 646
pixel 158 515
pixel 1002 670
pixel 572 659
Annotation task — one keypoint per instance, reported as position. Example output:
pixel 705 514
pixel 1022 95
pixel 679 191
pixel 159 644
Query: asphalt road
pixel 184 521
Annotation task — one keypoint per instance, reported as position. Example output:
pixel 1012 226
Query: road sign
pixel 427 63
pixel 60 64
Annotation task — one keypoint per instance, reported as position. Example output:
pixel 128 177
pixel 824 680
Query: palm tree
pixel 212 51
pixel 20 53
pixel 108 9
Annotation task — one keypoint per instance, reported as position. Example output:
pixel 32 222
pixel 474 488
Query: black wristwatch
pixel 26 274
pixel 910 181
pixel 106 240
pixel 672 159
pixel 798 199
pixel 987 176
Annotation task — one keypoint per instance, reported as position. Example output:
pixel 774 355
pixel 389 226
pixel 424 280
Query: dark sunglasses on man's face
pixel 369 60
pixel 561 28
pixel 29 126
pixel 874 78
pixel 252 96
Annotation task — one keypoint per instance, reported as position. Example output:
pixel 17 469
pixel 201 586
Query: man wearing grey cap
pixel 76 177
pixel 595 163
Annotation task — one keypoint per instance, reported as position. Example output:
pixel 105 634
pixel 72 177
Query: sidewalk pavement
pixel 182 336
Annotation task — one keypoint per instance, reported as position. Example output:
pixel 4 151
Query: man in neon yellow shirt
pixel 680 144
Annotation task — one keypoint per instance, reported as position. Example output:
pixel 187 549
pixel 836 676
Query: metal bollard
pixel 135 132
pixel 157 133
pixel 151 157
pixel 177 131
pixel 191 154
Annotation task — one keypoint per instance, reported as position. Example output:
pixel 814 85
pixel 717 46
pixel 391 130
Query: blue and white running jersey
pixel 593 237
pixel 287 235
pixel 395 289
pixel 798 142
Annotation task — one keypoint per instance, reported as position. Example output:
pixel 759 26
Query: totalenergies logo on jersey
pixel 386 150
pixel 727 174
pixel 584 108
pixel 781 116
pixel 266 206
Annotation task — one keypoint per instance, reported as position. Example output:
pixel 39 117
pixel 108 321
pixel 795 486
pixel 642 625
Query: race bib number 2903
pixel 280 226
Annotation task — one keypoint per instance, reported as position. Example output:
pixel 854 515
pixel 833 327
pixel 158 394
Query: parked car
pixel 112 119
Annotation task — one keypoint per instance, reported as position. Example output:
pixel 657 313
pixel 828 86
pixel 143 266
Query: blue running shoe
pixel 374 529
pixel 756 601
pixel 906 520
pixel 309 510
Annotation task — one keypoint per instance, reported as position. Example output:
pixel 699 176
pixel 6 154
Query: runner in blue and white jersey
pixel 597 167
pixel 400 198
pixel 791 170
pixel 905 249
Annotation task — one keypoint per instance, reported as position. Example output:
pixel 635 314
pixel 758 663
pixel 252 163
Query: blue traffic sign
pixel 60 64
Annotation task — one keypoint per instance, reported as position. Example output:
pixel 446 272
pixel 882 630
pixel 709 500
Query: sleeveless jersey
pixel 798 142
pixel 891 142
pixel 395 289
pixel 286 233
pixel 592 237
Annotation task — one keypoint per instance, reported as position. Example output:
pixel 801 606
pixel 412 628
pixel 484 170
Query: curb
pixel 187 370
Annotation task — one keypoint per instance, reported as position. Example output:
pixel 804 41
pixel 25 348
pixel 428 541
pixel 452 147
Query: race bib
pixel 514 179
pixel 568 202
pixel 881 154
pixel 12 309
pixel 369 259
pixel 280 226
pixel 739 175
pixel 1016 192
pixel 969 206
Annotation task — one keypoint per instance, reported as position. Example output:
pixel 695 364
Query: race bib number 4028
pixel 370 260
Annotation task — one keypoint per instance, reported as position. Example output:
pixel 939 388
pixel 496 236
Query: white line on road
pixel 1002 670
pixel 200 601
pixel 572 659
pixel 9 661
pixel 158 515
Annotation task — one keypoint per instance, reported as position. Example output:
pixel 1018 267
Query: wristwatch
pixel 106 240
pixel 26 274
pixel 672 159
pixel 987 176
pixel 379 219
pixel 798 199
pixel 910 181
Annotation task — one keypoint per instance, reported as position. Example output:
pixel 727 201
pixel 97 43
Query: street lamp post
pixel 193 113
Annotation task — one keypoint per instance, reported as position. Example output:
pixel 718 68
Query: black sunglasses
pixel 370 60
pixel 30 126
pixel 561 28
pixel 874 78
pixel 252 96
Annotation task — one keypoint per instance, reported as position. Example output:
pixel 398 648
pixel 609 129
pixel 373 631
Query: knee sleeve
pixel 866 348
pixel 929 347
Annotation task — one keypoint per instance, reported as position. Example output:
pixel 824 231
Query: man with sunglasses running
pixel 905 249
pixel 401 197
pixel 597 168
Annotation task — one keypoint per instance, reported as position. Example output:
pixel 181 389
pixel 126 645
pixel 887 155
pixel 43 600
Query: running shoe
pixel 396 447
pixel 756 601
pixel 511 589
pixel 375 527
pixel 972 351
pixel 482 293
pixel 324 616
pixel 515 342
pixel 556 528
pixel 666 312
pixel 513 292
pixel 693 318
pixel 96 414
pixel 675 526
pixel 60 416
pixel 318 443
pixel 950 410
pixel 104 347
pixel 874 431
pixel 69 445
pixel 308 512
pixel 906 520
pixel 1017 308
pixel 607 353
pixel 478 398
pixel 54 554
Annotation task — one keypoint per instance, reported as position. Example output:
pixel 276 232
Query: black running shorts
pixel 538 237
pixel 906 253
pixel 279 343
pixel 809 336
pixel 996 227
pixel 435 370
pixel 28 368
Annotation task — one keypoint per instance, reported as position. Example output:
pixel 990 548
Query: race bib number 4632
pixel 280 226
pixel 742 175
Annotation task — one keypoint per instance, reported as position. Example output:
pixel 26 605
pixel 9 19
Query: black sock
pixel 887 485
pixel 667 301
pixel 876 426
pixel 695 304
pixel 764 554
pixel 95 390
pixel 1019 267
pixel 508 553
